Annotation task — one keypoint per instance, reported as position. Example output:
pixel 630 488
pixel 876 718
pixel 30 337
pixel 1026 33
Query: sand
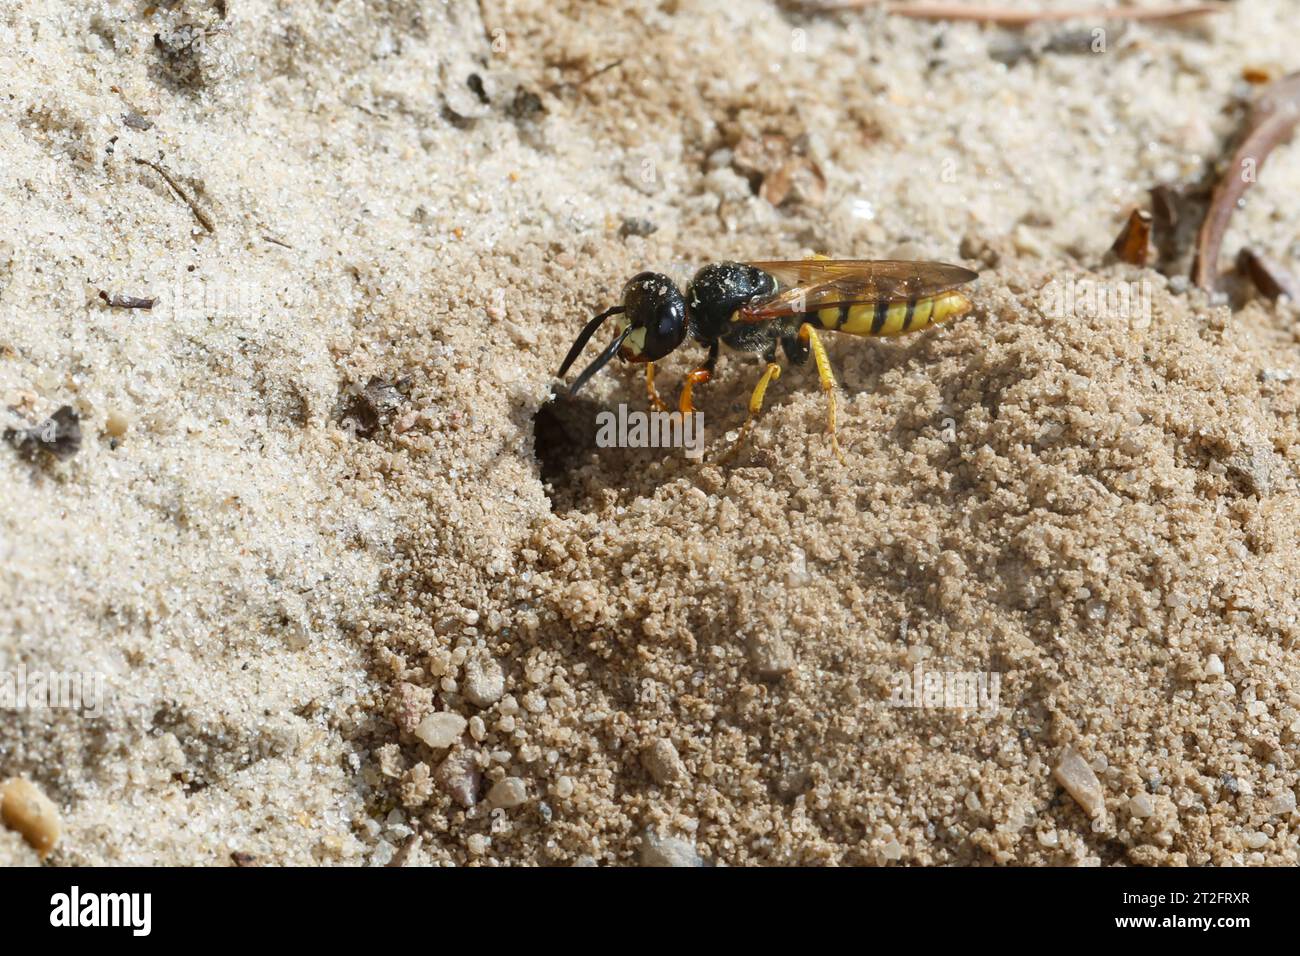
pixel 352 602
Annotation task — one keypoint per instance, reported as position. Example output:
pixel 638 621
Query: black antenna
pixel 584 337
pixel 601 360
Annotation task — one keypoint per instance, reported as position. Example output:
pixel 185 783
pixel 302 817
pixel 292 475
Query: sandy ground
pixel 349 597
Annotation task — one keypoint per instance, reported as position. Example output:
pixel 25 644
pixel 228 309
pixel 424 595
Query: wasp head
pixel 655 312
pixel 651 323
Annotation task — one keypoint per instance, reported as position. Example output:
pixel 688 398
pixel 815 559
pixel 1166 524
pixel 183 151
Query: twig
pixel 199 214
pixel 1271 121
pixel 604 69
pixel 578 84
pixel 368 111
pixel 1269 277
pixel 1007 17
pixel 1176 212
pixel 276 242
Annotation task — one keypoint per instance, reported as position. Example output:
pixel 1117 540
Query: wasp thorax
pixel 718 290
pixel 656 313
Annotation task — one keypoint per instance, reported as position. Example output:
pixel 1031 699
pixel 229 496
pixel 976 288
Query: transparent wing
pixel 807 285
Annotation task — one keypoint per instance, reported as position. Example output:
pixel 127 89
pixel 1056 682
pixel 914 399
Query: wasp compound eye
pixel 655 314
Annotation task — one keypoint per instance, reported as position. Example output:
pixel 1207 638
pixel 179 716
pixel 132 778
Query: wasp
pixel 757 307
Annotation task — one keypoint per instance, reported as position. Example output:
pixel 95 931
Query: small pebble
pixel 772 656
pixel 1141 806
pixel 1245 650
pixel 668 851
pixel 441 730
pixel 1282 804
pixel 662 762
pixel 117 423
pixel 477 728
pixel 1073 773
pixel 484 682
pixel 507 793
pixel 24 808
pixel 458 777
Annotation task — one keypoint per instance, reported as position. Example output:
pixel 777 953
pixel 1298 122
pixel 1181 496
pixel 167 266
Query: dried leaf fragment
pixel 1133 245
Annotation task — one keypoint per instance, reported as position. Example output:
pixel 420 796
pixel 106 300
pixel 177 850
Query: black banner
pixel 973 906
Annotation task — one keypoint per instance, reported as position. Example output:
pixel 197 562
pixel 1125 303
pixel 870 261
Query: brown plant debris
pixel 204 219
pixel 126 301
pixel 569 86
pixel 1133 245
pixel 1270 121
pixel 782 169
pixel 1176 211
pixel 1268 275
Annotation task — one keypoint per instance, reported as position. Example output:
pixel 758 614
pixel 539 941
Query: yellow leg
pixel 697 376
pixel 656 402
pixel 685 403
pixel 770 374
pixel 827 376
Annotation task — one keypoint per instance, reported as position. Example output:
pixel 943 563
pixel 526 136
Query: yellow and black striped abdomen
pixel 894 318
